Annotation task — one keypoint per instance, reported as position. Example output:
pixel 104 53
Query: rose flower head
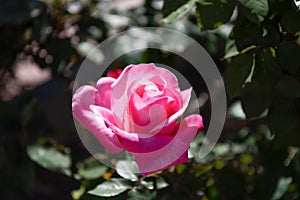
pixel 138 110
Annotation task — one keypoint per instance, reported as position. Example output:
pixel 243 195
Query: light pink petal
pixel 186 95
pixel 138 73
pixel 147 113
pixel 169 154
pixel 83 100
pixel 103 95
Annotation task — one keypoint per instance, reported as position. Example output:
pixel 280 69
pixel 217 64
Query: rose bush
pixel 139 111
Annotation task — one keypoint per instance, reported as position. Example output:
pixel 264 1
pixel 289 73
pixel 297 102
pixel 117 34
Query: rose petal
pixel 103 95
pixel 137 143
pixel 148 113
pixel 186 95
pixel 182 159
pixel 138 73
pixel 142 143
pixel 83 99
pixel 169 154
pixel 114 73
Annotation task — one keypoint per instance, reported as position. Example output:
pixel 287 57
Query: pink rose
pixel 138 112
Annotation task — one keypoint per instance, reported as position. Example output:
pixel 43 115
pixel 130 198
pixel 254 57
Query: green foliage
pixel 110 188
pixel 180 12
pixel 256 11
pixel 213 13
pixel 50 158
pixel 237 73
pixel 91 169
pixel 125 168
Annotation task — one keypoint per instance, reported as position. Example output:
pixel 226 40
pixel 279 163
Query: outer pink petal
pixel 83 99
pixel 131 74
pixel 182 159
pixel 140 143
pixel 169 154
pixel 103 95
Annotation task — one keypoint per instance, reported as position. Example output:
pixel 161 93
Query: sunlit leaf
pixel 149 183
pixel 255 10
pixel 230 49
pixel 77 194
pixel 110 188
pixel 282 186
pixel 180 12
pixel 125 169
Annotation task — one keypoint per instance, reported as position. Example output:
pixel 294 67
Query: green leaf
pixel 237 73
pixel 250 95
pixel 50 158
pixel 213 13
pixel 246 33
pixel 180 12
pixel 91 51
pixel 160 183
pixel 125 169
pixel 297 3
pixel 288 55
pixel 202 169
pixel 110 188
pixel 77 194
pixel 180 168
pixel 171 5
pixel 282 187
pixel 290 22
pixel 267 70
pixel 284 118
pixel 91 169
pixel 231 49
pixel 135 194
pixel 289 87
pixel 246 158
pixel 256 11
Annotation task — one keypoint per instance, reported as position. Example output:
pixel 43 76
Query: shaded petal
pixel 140 143
pixel 114 73
pixel 169 154
pixel 94 120
pixel 182 159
